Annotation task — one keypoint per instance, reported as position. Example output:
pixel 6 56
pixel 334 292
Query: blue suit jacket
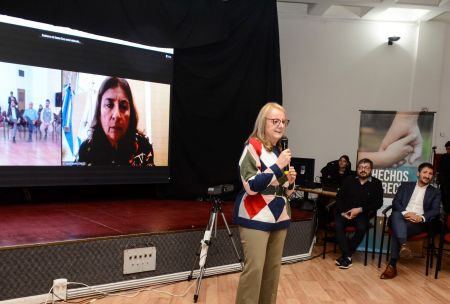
pixel 431 200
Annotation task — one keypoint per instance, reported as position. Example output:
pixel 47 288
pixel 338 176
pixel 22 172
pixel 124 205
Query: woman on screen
pixel 115 139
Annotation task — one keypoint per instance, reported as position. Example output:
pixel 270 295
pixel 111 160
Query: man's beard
pixel 366 175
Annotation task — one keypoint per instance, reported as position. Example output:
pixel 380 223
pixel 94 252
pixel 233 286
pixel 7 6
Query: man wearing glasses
pixel 358 197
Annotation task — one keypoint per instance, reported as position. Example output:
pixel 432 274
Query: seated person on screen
pixel 334 173
pixel 414 204
pixel 46 117
pixel 115 139
pixel 358 196
pixel 31 116
pixel 13 117
pixel 38 122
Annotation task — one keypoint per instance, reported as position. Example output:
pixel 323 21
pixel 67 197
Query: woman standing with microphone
pixel 261 209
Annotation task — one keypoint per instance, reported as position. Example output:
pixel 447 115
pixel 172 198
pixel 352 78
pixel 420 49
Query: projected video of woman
pixel 115 138
pixel 108 125
pixel 82 110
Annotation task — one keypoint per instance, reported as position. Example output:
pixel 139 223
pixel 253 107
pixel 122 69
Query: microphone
pixel 284 146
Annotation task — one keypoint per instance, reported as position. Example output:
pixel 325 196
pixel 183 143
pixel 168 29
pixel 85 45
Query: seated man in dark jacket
pixel 414 204
pixel 358 196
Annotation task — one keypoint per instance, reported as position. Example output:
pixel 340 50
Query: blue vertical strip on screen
pixel 67 116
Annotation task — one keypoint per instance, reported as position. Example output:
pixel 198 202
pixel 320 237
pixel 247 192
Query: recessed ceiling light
pixel 401 14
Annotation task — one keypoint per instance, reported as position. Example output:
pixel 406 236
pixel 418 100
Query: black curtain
pixel 226 67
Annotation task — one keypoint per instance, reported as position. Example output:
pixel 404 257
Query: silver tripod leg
pixel 211 221
pixel 210 234
pixel 204 246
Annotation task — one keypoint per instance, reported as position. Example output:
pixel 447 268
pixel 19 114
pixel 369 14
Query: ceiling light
pixel 401 14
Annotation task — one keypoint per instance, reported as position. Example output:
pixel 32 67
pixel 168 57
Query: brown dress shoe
pixel 405 252
pixel 389 273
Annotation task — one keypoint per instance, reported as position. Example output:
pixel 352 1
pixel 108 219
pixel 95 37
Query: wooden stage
pixel 84 240
pixel 30 223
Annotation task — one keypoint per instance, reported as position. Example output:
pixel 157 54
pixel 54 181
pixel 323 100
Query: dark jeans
pixel 401 230
pixel 14 121
pixel 348 245
pixel 30 127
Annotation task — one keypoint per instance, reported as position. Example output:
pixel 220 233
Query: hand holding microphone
pixel 285 150
pixel 284 162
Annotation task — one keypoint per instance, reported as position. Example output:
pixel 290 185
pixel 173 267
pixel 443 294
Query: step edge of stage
pixel 108 237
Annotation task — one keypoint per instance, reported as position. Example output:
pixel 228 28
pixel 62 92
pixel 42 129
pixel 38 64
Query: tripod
pixel 210 234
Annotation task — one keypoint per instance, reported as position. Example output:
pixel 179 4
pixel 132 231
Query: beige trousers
pixel 258 283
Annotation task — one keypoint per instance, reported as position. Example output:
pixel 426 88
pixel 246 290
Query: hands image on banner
pixel 401 144
pixel 404 130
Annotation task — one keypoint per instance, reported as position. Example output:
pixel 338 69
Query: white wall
pixel 38 83
pixel 7 83
pixel 442 125
pixel 331 69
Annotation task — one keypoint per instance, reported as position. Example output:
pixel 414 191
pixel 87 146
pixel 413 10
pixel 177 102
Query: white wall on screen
pixel 7 84
pixel 38 83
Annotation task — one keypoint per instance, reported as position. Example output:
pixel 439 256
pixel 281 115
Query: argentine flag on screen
pixel 67 139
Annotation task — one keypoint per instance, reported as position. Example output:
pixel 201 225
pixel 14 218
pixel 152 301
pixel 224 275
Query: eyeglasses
pixel 364 167
pixel 276 122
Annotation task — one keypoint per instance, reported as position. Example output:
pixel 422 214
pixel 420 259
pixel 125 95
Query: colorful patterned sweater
pixel 262 204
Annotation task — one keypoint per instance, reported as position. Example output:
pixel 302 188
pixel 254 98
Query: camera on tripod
pixel 215 194
pixel 221 189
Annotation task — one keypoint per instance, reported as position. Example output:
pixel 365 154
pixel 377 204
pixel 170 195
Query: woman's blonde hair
pixel 261 121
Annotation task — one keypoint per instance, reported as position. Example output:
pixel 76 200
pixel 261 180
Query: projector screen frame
pixel 47 49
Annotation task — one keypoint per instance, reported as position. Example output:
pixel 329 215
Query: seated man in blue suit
pixel 414 204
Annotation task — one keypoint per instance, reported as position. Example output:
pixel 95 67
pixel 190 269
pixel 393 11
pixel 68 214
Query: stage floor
pixel 24 224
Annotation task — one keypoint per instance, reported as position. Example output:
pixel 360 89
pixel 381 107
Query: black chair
pixel 330 226
pixel 444 238
pixel 428 235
